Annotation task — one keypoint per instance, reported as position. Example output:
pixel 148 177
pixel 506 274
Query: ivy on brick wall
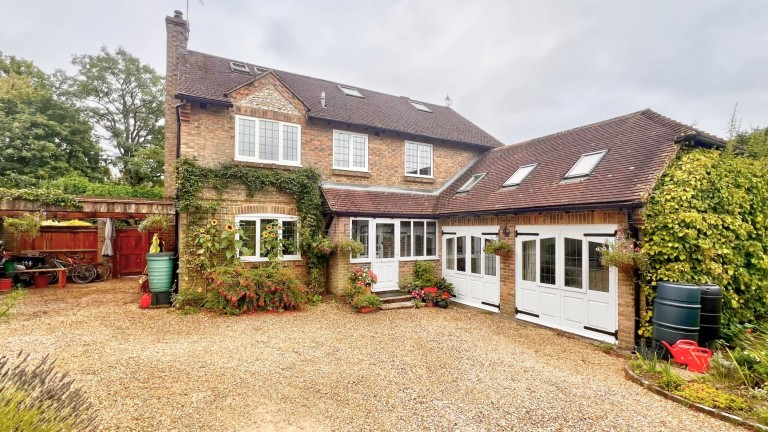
pixel 303 184
pixel 707 222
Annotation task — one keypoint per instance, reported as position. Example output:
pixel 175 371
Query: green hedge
pixel 707 221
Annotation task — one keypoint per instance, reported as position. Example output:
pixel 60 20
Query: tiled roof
pixel 210 77
pixel 639 147
pixel 363 202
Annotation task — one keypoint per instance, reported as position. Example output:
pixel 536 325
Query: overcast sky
pixel 518 69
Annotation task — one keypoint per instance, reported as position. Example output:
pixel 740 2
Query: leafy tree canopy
pixel 41 136
pixel 124 99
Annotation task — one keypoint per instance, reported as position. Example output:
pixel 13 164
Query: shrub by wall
pixel 707 222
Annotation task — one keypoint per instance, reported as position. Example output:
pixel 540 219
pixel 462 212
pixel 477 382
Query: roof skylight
pixel 471 183
pixel 519 175
pixel 239 67
pixel 420 106
pixel 349 91
pixel 586 164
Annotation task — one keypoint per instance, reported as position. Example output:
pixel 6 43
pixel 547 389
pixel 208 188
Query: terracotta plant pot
pixel 41 280
pixel 430 304
pixel 367 309
pixel 6 284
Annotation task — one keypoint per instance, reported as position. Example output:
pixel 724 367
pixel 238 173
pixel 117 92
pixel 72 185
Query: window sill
pixel 271 165
pixel 414 179
pixel 419 258
pixel 350 173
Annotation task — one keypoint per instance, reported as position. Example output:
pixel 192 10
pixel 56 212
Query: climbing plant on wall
pixel 302 184
pixel 707 221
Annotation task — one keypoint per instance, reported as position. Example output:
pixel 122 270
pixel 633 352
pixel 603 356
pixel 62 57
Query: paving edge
pixel 721 415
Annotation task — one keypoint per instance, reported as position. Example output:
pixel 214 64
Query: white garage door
pixel 560 282
pixel 474 274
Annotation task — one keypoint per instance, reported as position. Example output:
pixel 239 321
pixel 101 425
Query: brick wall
pixel 626 306
pixel 209 135
pixel 235 202
pixel 177 37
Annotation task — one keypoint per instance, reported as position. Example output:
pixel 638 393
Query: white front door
pixel 474 274
pixel 384 262
pixel 560 282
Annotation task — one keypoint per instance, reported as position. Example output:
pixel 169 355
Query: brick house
pixel 417 181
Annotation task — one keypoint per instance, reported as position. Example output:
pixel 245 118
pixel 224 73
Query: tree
pixel 41 136
pixel 755 142
pixel 124 99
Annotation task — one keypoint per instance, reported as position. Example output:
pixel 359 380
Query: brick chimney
pixel 177 36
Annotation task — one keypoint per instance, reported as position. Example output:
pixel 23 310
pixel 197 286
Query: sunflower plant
pixel 272 242
pixel 217 245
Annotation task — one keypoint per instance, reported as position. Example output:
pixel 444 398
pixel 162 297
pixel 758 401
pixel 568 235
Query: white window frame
pixel 258 217
pixel 418 153
pixel 280 160
pixel 471 183
pixel 351 154
pixel 371 234
pixel 413 257
pixel 571 173
pixel 529 167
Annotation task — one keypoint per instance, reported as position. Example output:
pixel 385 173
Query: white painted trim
pixel 371 239
pixel 258 217
pixel 351 155
pixel 418 154
pixel 532 167
pixel 279 160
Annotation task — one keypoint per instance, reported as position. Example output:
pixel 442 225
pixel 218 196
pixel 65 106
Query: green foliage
pixel 623 254
pixel 366 300
pixel 239 289
pixel 708 395
pixel 706 223
pixel 125 98
pixel 642 365
pixel 39 398
pixel 762 415
pixel 155 222
pixel 216 246
pixel 26 226
pixel 498 247
pixel 78 185
pixel 43 136
pixel 10 301
pixel 445 286
pixel 670 381
pixel 424 274
pixel 755 142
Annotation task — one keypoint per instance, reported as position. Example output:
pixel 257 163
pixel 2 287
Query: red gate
pixel 131 247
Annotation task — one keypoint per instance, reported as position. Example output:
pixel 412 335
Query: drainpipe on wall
pixel 635 233
pixel 176 204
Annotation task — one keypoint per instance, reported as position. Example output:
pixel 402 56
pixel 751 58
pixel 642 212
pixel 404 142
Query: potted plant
pixel 41 280
pixel 498 248
pixel 365 303
pixel 364 277
pixel 431 296
pixel 623 254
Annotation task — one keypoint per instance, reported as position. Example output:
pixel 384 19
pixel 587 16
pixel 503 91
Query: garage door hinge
pixel 517 233
pixel 490 304
pixel 519 311
pixel 614 333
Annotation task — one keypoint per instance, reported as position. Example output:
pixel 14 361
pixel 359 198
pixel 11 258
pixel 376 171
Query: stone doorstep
pixel 393 297
pixel 397 305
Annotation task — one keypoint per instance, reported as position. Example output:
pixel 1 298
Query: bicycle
pixel 78 271
pixel 103 270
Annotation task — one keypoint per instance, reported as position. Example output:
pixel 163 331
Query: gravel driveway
pixel 328 368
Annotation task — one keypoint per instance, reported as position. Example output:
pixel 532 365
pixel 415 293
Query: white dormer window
pixel 239 67
pixel 420 106
pixel 349 91
pixel 519 175
pixel 471 183
pixel 586 164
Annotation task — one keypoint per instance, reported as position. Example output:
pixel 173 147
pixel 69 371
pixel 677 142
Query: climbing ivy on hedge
pixel 707 221
pixel 43 196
